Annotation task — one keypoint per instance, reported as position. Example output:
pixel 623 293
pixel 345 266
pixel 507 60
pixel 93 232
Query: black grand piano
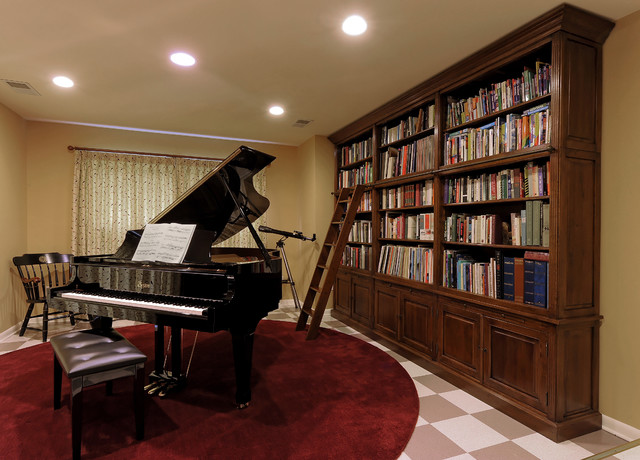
pixel 213 289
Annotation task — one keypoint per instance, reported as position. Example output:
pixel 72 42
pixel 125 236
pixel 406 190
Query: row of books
pixel 531 180
pixel 505 134
pixel 352 177
pixel 461 271
pixel 420 194
pixel 527 227
pixel 365 202
pixel 480 229
pixel 500 96
pixel 357 257
pixel 407 262
pixel 520 279
pixel 413 124
pixel 414 157
pixel 356 151
pixel 360 232
pixel 530 227
pixel 408 226
pixel 526 279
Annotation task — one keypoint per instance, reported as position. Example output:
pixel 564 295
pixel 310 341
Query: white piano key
pixel 161 307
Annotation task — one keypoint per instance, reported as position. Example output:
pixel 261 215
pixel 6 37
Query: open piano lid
pixel 217 204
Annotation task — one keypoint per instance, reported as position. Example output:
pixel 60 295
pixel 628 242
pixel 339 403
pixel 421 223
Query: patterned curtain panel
pixel 113 193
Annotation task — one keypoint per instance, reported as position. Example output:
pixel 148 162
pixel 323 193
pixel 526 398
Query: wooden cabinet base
pixel 559 431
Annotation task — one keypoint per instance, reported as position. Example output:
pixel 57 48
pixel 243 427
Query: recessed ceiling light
pixel 276 110
pixel 64 82
pixel 183 59
pixel 354 25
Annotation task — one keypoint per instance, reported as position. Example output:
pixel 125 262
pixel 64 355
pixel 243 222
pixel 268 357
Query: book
pixel 536 212
pixel 544 237
pixel 518 279
pixel 508 278
pixel 529 212
pixel 540 283
pixel 499 266
pixel 529 266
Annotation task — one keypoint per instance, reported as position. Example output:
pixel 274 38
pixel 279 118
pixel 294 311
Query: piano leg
pixel 242 354
pixel 159 349
pixel 176 351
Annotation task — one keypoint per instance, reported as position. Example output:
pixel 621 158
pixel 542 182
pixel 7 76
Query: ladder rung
pixel 321 267
pixel 330 244
pixel 315 289
pixel 308 311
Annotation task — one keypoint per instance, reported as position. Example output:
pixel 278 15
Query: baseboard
pixel 622 430
pixel 286 303
pixel 9 332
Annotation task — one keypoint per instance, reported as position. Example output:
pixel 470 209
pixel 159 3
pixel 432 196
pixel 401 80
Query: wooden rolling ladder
pixel 324 275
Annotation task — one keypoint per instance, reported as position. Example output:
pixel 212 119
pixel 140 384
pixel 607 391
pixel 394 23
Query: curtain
pixel 113 193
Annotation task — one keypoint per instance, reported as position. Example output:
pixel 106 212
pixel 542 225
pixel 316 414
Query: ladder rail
pixel 329 260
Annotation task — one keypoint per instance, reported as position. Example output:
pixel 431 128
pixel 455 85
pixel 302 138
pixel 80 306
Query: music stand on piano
pixel 280 245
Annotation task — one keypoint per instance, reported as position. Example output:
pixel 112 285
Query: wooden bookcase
pixel 509 310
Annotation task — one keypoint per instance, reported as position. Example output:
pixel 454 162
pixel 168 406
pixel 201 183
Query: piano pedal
pixel 243 405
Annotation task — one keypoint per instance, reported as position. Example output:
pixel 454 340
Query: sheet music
pixel 164 243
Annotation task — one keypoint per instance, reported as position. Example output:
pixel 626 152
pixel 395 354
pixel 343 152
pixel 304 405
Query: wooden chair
pixel 38 272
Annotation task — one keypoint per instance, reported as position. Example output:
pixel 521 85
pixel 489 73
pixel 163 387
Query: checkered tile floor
pixel 452 424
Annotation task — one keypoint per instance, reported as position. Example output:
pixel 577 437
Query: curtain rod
pixel 71 148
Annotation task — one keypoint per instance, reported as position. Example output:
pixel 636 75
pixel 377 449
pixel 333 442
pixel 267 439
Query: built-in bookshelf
pixel 483 213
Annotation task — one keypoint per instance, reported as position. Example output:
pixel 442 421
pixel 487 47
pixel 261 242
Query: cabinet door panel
pixel 343 294
pixel 417 313
pixel 361 289
pixel 515 361
pixel 386 311
pixel 460 339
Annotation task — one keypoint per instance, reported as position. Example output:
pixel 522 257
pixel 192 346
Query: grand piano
pixel 213 289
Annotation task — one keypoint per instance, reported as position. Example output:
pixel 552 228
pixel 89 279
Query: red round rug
pixel 329 398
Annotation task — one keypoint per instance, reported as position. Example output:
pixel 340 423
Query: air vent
pixel 21 87
pixel 301 123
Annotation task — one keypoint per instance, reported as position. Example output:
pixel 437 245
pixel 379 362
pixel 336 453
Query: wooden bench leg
pixel 57 383
pixel 76 417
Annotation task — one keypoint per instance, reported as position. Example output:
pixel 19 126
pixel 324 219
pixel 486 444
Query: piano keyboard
pixel 163 307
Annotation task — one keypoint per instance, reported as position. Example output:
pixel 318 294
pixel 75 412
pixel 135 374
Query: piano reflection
pixel 213 289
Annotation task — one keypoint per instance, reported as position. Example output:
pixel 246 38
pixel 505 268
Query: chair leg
pixel 76 422
pixel 57 383
pixel 27 317
pixel 72 319
pixel 45 321
pixel 138 401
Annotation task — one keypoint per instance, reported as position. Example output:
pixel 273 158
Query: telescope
pixel 294 234
pixel 280 245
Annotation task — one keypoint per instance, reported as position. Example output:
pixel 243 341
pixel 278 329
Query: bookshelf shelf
pixel 516 323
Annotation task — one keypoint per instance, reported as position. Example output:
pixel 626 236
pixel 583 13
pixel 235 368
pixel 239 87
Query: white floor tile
pixel 413 369
pixel 465 401
pixel 546 449
pixel 423 390
pixel 469 433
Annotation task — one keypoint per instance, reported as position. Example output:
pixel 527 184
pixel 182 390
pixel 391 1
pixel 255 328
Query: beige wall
pixel 620 247
pixel 317 156
pixel 13 213
pixel 37 170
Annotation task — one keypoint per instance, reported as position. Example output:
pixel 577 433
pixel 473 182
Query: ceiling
pixel 250 54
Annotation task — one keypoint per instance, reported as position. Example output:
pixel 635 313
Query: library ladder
pixel 324 275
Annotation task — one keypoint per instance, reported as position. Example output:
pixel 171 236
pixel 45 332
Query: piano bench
pixel 90 357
